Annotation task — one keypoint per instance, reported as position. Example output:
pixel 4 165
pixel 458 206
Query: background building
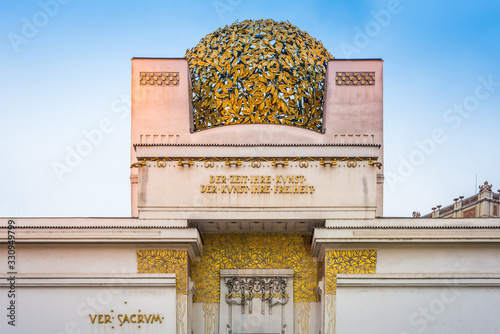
pixel 483 204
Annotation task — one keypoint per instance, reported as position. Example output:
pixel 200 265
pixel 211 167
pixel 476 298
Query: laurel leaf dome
pixel 258 72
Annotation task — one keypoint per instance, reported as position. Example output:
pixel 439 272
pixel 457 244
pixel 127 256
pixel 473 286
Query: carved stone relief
pixel 256 301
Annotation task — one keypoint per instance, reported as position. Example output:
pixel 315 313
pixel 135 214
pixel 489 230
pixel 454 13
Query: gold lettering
pixel 217 179
pixel 147 318
pixel 132 316
pixel 140 318
pixel 107 319
pixel 92 319
pixel 258 184
pixel 238 179
pixel 120 319
pixel 209 189
pixel 99 319
pixel 157 318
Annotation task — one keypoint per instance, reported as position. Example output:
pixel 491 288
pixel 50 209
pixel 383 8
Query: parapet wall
pixel 352 117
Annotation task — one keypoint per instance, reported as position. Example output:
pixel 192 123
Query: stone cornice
pixel 418 227
pixel 98 227
pixel 410 230
pixel 88 231
pixel 254 145
pixel 258 151
pixel 419 280
pixel 90 280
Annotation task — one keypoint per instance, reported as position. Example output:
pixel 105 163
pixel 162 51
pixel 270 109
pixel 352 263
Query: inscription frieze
pixel 116 318
pixel 257 184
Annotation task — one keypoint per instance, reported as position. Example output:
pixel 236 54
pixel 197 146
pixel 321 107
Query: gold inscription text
pixel 257 184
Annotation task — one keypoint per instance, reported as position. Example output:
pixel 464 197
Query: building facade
pixel 256 208
pixel 481 205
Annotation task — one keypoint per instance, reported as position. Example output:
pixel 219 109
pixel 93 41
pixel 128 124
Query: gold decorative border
pixel 211 313
pixel 330 303
pixel 255 251
pixel 159 78
pixel 348 262
pixel 352 162
pixel 302 314
pixel 165 261
pixel 181 313
pixel 355 78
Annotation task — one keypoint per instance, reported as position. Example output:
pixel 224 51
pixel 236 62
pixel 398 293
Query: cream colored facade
pixel 252 228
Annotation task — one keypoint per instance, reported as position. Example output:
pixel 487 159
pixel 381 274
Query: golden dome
pixel 258 72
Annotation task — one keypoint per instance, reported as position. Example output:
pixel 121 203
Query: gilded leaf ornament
pixel 258 72
pixel 165 261
pixel 255 251
pixel 348 262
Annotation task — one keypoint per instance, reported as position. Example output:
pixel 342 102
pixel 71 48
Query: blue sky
pixel 66 68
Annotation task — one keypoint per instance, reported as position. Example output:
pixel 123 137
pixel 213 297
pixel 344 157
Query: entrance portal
pixel 256 301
